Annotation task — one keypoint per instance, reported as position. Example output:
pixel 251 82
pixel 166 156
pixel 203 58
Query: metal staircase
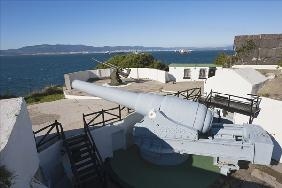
pixel 86 163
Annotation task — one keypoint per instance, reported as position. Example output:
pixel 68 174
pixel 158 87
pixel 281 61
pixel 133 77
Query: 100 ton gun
pixel 173 128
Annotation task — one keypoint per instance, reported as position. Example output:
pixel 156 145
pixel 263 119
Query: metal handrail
pixel 58 134
pixel 102 113
pixel 90 138
pixel 188 94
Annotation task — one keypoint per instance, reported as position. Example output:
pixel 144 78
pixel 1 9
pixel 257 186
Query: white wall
pixel 147 73
pixel 229 82
pixel 270 118
pixel 113 137
pixel 178 73
pixel 270 67
pixel 85 75
pixel 18 150
pixel 50 161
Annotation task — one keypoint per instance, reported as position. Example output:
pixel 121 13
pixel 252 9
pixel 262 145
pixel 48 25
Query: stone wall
pixel 268 48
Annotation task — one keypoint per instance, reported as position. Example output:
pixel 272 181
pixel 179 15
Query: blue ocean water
pixel 20 75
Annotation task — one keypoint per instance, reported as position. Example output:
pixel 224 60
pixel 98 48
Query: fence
pixel 99 117
pixel 47 139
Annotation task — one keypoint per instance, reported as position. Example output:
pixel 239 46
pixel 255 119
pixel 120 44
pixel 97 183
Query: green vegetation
pixel 225 60
pixel 242 52
pixel 6 177
pixel 143 60
pixel 48 94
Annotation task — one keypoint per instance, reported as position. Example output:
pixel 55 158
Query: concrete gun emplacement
pixel 173 128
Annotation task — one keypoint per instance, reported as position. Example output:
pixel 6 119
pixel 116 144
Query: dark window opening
pixel 211 71
pixel 202 74
pixel 187 74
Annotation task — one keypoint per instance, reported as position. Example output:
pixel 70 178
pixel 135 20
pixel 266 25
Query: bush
pixel 143 60
pixel 225 60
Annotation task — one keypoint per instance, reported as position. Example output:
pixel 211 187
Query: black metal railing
pixel 248 105
pixel 93 145
pixel 99 117
pixel 48 138
pixel 189 94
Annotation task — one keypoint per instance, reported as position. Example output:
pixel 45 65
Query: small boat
pixel 184 51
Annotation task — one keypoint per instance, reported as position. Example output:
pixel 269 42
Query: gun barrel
pixel 184 112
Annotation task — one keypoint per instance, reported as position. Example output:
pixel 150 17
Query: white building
pixel 238 82
pixel 192 72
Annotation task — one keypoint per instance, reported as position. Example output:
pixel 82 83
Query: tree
pixel 224 60
pixel 241 52
pixel 143 60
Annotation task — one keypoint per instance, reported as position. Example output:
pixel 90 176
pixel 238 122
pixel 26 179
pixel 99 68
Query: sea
pixel 23 74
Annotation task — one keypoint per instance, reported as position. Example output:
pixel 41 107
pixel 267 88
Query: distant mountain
pixel 68 49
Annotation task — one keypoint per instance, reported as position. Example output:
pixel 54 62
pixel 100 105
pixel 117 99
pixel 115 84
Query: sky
pixel 198 23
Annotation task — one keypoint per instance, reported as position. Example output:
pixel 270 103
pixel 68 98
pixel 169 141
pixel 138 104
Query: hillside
pixel 65 49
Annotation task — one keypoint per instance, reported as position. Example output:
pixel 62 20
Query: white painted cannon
pixel 172 128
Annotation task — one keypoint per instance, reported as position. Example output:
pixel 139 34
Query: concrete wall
pixel 229 82
pixel 18 150
pixel 114 137
pixel 85 75
pixel 147 73
pixel 270 119
pixel 268 67
pixel 51 163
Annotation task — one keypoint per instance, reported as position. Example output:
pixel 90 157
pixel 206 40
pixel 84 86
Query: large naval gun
pixel 173 128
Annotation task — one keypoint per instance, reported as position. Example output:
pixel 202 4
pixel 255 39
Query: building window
pixel 202 74
pixel 211 71
pixel 187 74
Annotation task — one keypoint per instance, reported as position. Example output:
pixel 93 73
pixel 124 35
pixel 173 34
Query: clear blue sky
pixel 147 23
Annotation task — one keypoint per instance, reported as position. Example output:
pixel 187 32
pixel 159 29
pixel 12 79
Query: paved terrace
pixel 69 111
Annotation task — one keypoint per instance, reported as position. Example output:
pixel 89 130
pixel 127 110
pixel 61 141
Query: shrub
pixel 143 60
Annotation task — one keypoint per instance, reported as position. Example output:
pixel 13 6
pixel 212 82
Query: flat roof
pixel 193 65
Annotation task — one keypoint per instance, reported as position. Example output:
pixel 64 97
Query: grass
pixel 6 177
pixel 48 94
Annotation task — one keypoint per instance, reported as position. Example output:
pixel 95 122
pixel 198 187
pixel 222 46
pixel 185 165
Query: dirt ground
pixel 272 88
